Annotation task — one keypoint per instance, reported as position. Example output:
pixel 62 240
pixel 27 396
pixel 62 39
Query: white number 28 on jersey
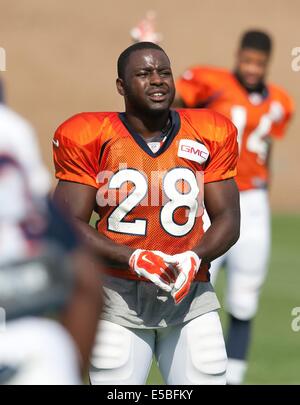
pixel 256 141
pixel 176 199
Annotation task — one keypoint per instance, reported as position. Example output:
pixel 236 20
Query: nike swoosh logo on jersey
pixel 55 142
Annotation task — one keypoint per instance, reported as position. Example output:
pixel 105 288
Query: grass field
pixel 275 353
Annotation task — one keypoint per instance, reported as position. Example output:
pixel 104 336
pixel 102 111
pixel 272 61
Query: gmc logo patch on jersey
pixel 192 150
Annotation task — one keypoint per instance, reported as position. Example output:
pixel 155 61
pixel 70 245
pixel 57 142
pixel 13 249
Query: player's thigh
pixel 193 353
pixel 247 261
pixel 121 355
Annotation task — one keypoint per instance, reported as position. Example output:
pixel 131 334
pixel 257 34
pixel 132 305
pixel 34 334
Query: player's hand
pixel 154 265
pixel 187 264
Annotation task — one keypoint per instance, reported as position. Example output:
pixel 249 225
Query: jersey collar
pixel 171 133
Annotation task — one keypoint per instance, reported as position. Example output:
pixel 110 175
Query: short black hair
pixel 258 40
pixel 124 56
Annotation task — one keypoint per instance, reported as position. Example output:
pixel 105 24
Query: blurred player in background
pixel 261 112
pixel 158 299
pixel 42 269
pixel 145 30
pixel 18 140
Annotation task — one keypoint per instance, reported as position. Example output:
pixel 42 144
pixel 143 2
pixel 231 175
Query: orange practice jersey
pixel 148 200
pixel 257 118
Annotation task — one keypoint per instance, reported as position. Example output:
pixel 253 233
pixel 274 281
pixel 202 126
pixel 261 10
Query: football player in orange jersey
pixel 142 172
pixel 260 112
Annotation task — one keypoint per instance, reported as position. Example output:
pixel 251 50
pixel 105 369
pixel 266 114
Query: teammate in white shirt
pixel 33 349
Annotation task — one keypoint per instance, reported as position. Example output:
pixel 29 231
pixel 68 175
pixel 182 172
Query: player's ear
pixel 120 86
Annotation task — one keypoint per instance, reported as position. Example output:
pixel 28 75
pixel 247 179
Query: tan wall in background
pixel 61 58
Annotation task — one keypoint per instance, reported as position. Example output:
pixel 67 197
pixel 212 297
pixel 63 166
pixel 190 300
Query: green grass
pixel 275 352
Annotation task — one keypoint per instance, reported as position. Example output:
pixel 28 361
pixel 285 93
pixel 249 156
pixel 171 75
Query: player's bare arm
pixel 79 201
pixel 223 207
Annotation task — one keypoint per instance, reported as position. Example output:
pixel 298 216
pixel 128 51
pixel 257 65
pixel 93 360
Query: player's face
pixel 148 84
pixel 252 66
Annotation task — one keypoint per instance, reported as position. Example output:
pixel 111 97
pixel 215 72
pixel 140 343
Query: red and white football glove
pixel 187 265
pixel 154 265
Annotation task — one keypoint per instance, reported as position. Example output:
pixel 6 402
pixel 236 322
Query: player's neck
pixel 259 88
pixel 147 126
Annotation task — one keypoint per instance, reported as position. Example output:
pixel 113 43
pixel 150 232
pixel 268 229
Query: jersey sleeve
pixel 75 151
pixel 283 109
pixel 223 149
pixel 194 88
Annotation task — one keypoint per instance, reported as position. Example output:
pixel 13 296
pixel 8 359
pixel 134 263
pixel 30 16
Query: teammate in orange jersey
pixel 261 112
pixel 141 171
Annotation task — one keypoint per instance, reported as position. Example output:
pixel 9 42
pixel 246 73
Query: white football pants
pixel 247 261
pixel 190 353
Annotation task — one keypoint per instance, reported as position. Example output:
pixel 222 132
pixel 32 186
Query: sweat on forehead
pixel 126 54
